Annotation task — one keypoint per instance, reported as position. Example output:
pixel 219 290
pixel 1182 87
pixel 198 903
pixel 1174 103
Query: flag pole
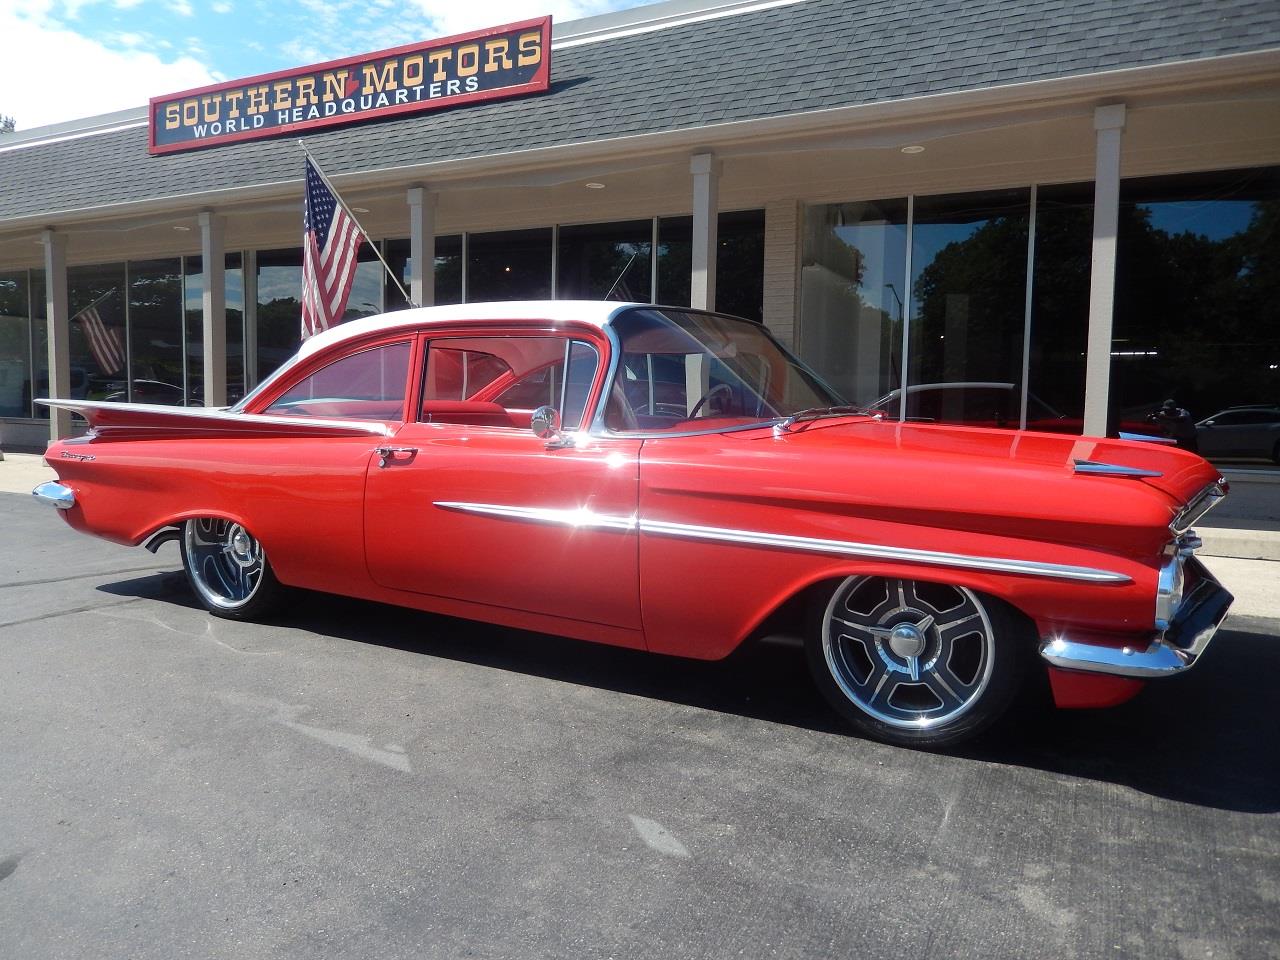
pixel 91 305
pixel 337 196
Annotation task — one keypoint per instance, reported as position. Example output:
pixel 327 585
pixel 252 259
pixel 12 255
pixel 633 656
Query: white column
pixel 706 202
pixel 214 306
pixel 1109 123
pixel 422 246
pixel 59 327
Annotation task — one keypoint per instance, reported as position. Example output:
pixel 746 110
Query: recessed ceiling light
pixel 359 209
pixel 181 228
pixel 913 148
pixel 594 185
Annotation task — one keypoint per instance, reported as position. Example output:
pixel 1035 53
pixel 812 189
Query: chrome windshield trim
pixel 1098 468
pixel 588 519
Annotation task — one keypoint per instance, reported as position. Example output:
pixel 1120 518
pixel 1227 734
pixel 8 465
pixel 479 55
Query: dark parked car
pixel 1241 432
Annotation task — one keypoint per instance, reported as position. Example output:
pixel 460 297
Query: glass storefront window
pixel 98 345
pixel 448 271
pixel 605 261
pixel 851 287
pixel 968 307
pixel 280 305
pixel 233 285
pixel 1197 288
pixel 193 327
pixel 15 345
pixel 1060 306
pixel 156 332
pixel 739 262
pixel 511 265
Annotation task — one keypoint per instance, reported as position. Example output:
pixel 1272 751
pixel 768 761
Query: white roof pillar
pixel 422 246
pixel 706 205
pixel 59 328
pixel 1108 121
pixel 214 308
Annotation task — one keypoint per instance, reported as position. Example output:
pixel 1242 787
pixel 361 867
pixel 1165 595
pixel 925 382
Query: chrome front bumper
pixel 55 494
pixel 1177 649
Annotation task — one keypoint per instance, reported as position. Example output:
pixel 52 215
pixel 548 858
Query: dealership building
pixel 1067 210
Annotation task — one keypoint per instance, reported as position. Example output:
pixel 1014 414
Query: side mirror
pixel 545 423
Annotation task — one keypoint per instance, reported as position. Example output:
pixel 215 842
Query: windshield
pixel 691 371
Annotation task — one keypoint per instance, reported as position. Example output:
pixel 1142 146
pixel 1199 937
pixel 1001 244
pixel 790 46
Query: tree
pixel 7 124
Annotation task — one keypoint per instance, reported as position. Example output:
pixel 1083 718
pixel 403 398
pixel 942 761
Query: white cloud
pixel 104 80
pixel 459 18
pixel 125 4
pixel 182 8
pixel 221 6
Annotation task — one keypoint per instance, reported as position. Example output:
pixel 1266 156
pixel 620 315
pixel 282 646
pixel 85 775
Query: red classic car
pixel 673 481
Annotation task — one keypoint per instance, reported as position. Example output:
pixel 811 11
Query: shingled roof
pixel 763 63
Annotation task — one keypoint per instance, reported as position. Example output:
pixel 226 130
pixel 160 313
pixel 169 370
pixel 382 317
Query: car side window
pixel 369 385
pixel 500 381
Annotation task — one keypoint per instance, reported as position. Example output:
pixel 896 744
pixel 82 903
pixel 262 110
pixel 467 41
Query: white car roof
pixel 595 312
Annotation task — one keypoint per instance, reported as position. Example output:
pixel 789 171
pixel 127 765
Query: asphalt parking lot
pixel 360 781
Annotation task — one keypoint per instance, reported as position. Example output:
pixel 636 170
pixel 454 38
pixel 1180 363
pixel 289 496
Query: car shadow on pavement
pixel 1210 737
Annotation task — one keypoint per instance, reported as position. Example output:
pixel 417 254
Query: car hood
pixel 1178 474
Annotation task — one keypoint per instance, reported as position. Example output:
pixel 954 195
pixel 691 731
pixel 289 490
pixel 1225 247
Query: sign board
pixel 484 65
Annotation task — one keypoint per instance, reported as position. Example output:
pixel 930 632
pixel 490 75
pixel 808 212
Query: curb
pixel 1243 544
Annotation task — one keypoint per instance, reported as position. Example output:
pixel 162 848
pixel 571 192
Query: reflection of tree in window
pixel 1197 293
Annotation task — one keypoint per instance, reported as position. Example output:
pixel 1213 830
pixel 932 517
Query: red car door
pixel 490 515
pixel 471 506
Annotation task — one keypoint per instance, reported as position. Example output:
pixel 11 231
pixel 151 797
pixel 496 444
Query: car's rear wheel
pixel 228 569
pixel 913 662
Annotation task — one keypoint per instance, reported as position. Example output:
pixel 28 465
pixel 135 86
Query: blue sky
pixel 81 58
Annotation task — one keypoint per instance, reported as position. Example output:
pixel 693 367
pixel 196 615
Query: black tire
pixel 968 653
pixel 228 570
pixel 1275 453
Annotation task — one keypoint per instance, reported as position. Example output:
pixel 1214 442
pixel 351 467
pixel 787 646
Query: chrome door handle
pixel 387 454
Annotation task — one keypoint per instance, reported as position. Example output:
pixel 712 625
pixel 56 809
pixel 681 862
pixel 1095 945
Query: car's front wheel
pixel 228 569
pixel 915 663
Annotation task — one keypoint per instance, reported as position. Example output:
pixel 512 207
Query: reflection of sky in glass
pixel 1215 219
pixel 284 283
pixel 235 289
pixel 883 250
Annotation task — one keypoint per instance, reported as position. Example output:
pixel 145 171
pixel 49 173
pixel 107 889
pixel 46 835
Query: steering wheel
pixel 706 398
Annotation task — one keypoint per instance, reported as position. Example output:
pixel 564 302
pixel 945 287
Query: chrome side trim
pixel 587 518
pixel 55 494
pixel 1147 438
pixel 582 517
pixel 1113 469
pixel 878 552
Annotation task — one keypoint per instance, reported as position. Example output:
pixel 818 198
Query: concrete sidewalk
pixel 1255 582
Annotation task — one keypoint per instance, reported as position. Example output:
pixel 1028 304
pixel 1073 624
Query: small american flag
pixel 331 239
pixel 104 341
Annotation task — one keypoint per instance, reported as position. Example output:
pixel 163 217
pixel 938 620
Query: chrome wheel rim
pixel 909 654
pixel 225 560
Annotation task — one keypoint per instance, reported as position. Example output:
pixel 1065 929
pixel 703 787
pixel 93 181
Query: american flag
pixel 331 239
pixel 104 341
